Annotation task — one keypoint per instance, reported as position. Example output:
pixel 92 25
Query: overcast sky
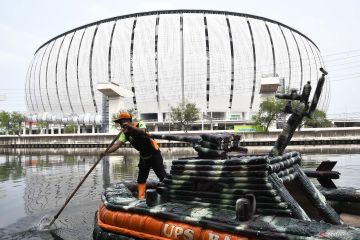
pixel 333 25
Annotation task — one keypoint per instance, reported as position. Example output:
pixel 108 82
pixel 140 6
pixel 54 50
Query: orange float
pixel 147 227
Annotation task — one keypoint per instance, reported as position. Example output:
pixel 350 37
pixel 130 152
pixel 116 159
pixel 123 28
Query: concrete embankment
pixel 313 136
pixel 329 136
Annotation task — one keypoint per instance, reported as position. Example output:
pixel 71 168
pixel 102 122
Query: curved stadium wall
pixel 215 59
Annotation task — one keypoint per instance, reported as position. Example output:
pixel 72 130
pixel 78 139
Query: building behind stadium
pixel 224 62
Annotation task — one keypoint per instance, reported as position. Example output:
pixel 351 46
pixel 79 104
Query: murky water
pixel 36 184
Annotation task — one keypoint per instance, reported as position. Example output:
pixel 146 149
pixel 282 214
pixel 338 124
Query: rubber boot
pixel 141 190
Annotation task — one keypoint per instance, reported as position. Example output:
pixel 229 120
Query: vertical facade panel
pixel 195 60
pixel 207 62
pixel 232 63
pixel 301 61
pixel 58 68
pixel 120 56
pixel 295 60
pixel 272 48
pixel 27 95
pixel 83 70
pixel 264 54
pixel 324 98
pixel 307 68
pixel 313 59
pixel 288 80
pixel 47 102
pixel 100 71
pixel 220 63
pixel 132 64
pixel 61 75
pixel 318 64
pixel 110 50
pixel 264 57
pixel 91 59
pixel 169 79
pixel 312 65
pixel 244 64
pixel 52 76
pixel 101 52
pixel 156 50
pixel 72 81
pixel 28 86
pixel 67 74
pixel 308 64
pixel 281 53
pixel 42 77
pixel 35 81
pixel 302 58
pixel 144 64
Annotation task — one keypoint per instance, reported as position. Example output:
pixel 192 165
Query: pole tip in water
pixel 44 223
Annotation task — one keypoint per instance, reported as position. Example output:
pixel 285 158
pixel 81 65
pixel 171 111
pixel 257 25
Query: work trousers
pixel 156 163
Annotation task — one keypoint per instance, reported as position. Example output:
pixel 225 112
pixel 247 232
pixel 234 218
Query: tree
pixel 16 122
pixel 269 110
pixel 132 111
pixel 41 125
pixel 4 121
pixel 184 114
pixel 70 128
pixel 317 120
pixel 12 122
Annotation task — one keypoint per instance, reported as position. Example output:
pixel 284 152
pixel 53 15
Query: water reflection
pixel 37 182
pixel 347 164
pixel 11 168
pixel 40 182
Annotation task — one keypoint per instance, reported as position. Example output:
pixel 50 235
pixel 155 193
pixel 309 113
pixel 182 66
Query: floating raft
pixel 246 197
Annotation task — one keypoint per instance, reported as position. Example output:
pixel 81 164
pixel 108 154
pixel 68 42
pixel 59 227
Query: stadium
pixel 225 62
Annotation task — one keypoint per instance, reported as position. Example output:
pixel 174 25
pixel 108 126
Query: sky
pixel 332 24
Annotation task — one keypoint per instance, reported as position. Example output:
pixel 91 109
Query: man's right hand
pixel 102 154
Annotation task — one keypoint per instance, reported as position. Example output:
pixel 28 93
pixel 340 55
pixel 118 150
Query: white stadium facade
pixel 225 62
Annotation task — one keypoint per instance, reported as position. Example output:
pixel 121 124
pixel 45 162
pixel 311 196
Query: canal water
pixel 34 184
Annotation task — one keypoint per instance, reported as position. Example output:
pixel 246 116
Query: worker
pixel 150 155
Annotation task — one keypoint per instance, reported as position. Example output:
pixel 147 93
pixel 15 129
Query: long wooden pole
pixel 84 178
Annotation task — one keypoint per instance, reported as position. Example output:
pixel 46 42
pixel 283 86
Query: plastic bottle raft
pixel 224 194
pixel 244 197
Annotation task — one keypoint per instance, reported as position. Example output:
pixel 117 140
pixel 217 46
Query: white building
pixel 213 58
